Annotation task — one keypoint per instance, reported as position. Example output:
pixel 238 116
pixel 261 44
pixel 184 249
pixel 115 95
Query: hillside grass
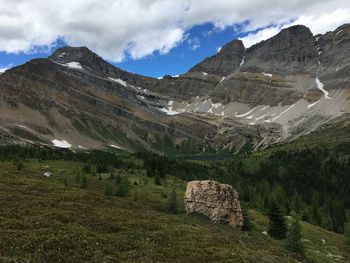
pixel 43 220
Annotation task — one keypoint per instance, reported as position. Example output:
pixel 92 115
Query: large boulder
pixel 219 202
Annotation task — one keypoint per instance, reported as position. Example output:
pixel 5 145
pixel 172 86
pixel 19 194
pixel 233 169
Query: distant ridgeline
pixel 311 182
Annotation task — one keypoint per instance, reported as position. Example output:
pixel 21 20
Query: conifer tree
pixel 347 232
pixel 108 189
pixel 77 177
pixel 118 179
pixel 172 203
pixel 277 225
pixel 247 225
pixel 65 182
pixel 157 179
pixel 293 242
pixel 123 188
pixel 84 182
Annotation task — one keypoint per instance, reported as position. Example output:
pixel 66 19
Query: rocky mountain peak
pixel 291 51
pixel 81 55
pixel 226 61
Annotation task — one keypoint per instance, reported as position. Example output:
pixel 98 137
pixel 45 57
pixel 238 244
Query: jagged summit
pixel 80 55
pixel 225 61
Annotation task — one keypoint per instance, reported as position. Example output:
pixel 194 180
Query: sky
pixel 153 37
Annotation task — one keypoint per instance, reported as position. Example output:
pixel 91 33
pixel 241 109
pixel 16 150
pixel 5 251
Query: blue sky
pixel 200 42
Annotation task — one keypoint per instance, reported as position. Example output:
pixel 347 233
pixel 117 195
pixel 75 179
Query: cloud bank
pixel 116 28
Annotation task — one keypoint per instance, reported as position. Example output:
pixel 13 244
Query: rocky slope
pixel 279 89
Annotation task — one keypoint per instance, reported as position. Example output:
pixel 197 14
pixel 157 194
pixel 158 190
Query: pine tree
pixel 84 182
pixel 293 242
pixel 157 179
pixel 118 179
pixel 77 177
pixel 172 203
pixel 347 232
pixel 277 225
pixel 123 188
pixel 247 225
pixel 108 189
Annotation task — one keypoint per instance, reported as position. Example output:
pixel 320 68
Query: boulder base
pixel 219 202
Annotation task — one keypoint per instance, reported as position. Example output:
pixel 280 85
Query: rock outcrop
pixel 219 202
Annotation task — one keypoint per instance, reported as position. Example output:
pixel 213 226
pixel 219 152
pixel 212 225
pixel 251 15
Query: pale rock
pixel 219 202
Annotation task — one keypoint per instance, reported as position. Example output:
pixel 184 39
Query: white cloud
pixel 194 43
pixel 318 24
pixel 263 34
pixel 3 69
pixel 141 27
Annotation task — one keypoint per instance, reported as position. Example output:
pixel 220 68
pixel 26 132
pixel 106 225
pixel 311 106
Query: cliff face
pixel 281 88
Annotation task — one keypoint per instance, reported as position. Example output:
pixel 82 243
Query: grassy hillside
pixel 55 220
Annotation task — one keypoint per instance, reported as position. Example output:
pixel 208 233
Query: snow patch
pixel 120 81
pixel 205 73
pixel 61 143
pixel 242 62
pixel 321 88
pixel 81 147
pixel 215 106
pixel 339 31
pixel 74 65
pixel 261 117
pixel 245 114
pixel 62 55
pixel 264 108
pixel 169 111
pixel 160 78
pixel 115 146
pixel 223 78
pixel 283 112
pixel 337 69
pixel 312 104
pixel 267 75
pixel 21 126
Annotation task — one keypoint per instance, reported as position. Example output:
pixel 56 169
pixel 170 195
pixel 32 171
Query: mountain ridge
pixel 276 90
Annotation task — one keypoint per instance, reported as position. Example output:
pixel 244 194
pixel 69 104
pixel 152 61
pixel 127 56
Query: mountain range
pixel 278 90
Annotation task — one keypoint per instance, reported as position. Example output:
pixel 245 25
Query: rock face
pixel 292 51
pixel 219 202
pixel 225 62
